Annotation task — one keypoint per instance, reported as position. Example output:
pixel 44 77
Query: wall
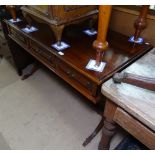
pixel 122 21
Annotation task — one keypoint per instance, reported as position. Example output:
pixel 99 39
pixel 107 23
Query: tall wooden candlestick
pixel 12 10
pixel 100 44
pixel 141 23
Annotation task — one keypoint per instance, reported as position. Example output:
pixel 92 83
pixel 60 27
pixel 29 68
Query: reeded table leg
pixel 31 72
pixel 95 132
pixel 109 126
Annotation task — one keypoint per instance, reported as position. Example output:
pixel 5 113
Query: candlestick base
pixel 15 21
pixel 29 30
pixel 138 41
pixel 91 66
pixel 63 46
pixel 90 32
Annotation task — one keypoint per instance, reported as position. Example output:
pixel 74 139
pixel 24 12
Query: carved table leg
pixel 92 23
pixel 58 33
pixel 20 72
pixel 1 56
pixel 109 126
pixel 31 72
pixel 28 19
pixel 95 132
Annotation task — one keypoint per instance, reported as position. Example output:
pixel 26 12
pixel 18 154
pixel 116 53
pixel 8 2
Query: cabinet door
pixel 72 12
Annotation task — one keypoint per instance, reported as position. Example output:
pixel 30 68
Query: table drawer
pixel 19 36
pixel 62 69
pixel 76 76
pixel 40 50
pixel 43 55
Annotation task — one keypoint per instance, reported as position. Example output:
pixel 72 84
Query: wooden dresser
pixel 58 16
pixel 71 66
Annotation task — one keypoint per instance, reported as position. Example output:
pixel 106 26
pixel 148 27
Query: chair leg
pixel 58 33
pixel 107 133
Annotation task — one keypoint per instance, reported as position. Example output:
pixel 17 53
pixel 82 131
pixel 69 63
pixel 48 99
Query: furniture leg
pixel 1 56
pixel 109 126
pixel 92 23
pixel 95 132
pixel 141 23
pixel 58 33
pixel 28 19
pixel 31 72
pixel 20 72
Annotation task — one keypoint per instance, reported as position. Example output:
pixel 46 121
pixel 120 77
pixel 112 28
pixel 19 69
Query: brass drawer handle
pixel 89 85
pixel 36 50
pixel 68 72
pixel 72 75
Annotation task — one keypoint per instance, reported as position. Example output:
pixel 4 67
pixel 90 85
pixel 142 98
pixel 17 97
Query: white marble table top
pixel 137 101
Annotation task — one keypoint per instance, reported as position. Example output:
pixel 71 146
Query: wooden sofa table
pixel 132 107
pixel 71 66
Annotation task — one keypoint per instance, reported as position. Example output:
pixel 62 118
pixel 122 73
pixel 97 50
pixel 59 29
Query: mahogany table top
pixel 119 54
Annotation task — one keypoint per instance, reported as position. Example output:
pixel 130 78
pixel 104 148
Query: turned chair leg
pixel 107 133
pixel 28 19
pixel 31 72
pixel 58 33
pixel 109 126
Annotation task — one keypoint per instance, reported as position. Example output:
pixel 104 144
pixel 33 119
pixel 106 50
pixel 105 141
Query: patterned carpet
pixel 130 143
